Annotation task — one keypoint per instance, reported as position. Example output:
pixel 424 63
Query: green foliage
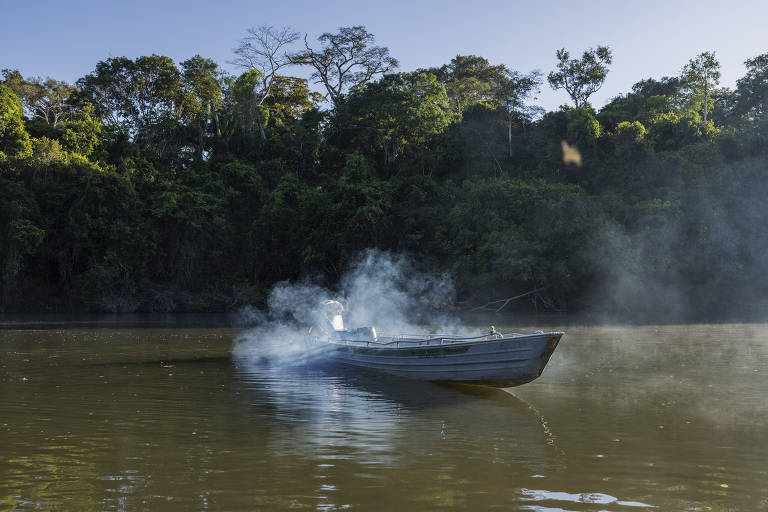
pixel 583 127
pixel 44 100
pixel 14 139
pixel 648 99
pixel 364 204
pixel 21 238
pixel 47 154
pixel 242 90
pixel 201 98
pixel 399 113
pixel 503 235
pixel 671 131
pixel 201 86
pixel 699 79
pixel 469 80
pixel 633 132
pixel 81 132
pixel 751 99
pixel 143 99
pixel 581 78
pixel 289 99
pixel 162 188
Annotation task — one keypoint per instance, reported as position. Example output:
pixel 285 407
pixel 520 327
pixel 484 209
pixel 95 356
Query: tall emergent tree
pixel 42 99
pixel 470 80
pixel 515 91
pixel 347 59
pixel 700 76
pixel 202 96
pixel 581 77
pixel 141 96
pixel 263 51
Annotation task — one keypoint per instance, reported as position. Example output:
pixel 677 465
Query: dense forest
pixel 154 186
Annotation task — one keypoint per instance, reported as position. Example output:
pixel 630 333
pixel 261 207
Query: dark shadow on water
pixel 385 418
pixel 166 361
pixel 369 384
pixel 34 321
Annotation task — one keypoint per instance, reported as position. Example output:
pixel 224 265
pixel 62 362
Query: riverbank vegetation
pixel 150 185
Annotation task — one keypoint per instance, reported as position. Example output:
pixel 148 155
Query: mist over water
pixel 638 367
pixel 699 255
pixel 638 277
pixel 387 291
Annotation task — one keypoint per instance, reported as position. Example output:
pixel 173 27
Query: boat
pixel 490 359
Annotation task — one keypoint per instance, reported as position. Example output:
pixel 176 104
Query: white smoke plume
pixel 380 289
pixel 389 292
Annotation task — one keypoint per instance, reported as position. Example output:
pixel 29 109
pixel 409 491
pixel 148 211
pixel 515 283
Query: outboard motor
pixel 332 311
pixel 332 324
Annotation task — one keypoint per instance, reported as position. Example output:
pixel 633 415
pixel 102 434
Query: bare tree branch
pixel 492 305
pixel 263 50
pixel 346 60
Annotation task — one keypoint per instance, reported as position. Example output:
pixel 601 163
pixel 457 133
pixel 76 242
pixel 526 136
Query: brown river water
pixel 101 416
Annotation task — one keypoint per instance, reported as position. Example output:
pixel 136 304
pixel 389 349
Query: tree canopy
pixel 151 185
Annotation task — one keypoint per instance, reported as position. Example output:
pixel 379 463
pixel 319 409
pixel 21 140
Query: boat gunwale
pixel 401 342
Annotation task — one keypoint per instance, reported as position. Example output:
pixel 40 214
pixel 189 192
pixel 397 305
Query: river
pixel 115 416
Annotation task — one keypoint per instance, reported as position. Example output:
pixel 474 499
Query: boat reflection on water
pixel 334 412
pixel 449 446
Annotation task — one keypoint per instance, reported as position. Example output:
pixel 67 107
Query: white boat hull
pixel 499 362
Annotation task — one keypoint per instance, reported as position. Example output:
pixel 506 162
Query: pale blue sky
pixel 65 39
